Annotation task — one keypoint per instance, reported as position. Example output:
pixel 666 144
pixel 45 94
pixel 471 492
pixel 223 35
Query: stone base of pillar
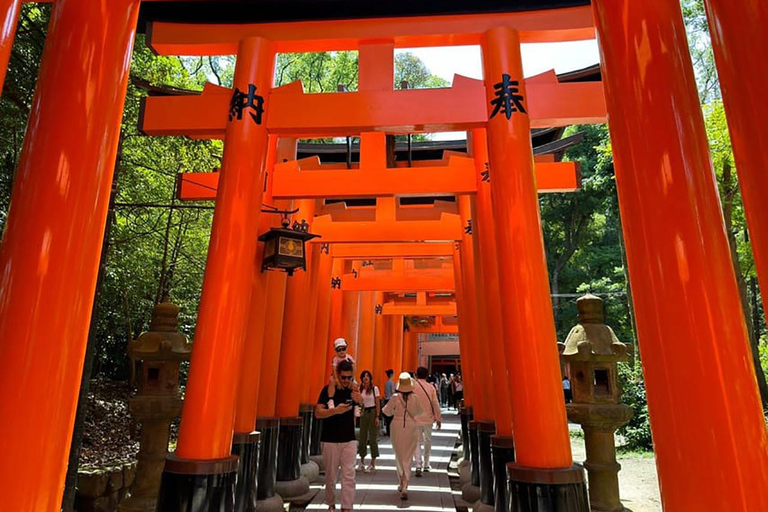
pixel 292 488
pixel 315 447
pixel 306 412
pixel 464 473
pixel 272 504
pixel 479 506
pixel 502 453
pixel 289 450
pixel 543 490
pixel 470 493
pixel 474 455
pixel 466 416
pixel 486 429
pixel 310 471
pixel 246 447
pixel 318 459
pixel 267 471
pixel 206 484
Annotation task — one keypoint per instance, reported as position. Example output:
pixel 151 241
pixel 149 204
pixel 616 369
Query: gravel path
pixel 638 481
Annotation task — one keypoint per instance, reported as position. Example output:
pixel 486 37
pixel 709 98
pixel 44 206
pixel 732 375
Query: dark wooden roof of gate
pixel 269 11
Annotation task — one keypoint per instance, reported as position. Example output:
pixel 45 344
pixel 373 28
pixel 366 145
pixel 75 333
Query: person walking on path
pixel 444 385
pixel 335 409
pixel 404 408
pixel 369 422
pixel 389 391
pixel 458 390
pixel 430 415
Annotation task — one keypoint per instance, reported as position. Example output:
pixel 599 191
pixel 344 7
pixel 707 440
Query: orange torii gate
pixel 685 292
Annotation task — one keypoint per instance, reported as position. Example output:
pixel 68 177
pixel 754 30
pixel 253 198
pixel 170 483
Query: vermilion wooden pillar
pixel 293 347
pixel 487 278
pixel 293 370
pixel 465 352
pixel 541 432
pixel 480 399
pixel 380 346
pixel 711 447
pixel 321 370
pixel 209 404
pixel 311 342
pixel 273 330
pixel 350 319
pixel 52 242
pixel 543 464
pixel 410 351
pixel 738 29
pixel 9 19
pixel 396 340
pixel 336 325
pixel 502 443
pixel 248 387
pixel 366 327
pixel 206 426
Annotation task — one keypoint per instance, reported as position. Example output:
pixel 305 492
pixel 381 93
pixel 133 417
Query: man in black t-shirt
pixel 335 407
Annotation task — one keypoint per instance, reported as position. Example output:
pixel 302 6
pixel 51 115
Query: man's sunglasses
pixel 345 377
pixel 341 349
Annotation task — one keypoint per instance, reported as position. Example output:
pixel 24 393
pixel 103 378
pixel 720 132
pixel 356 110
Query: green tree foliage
pixel 17 92
pixel 636 433
pixel 410 70
pixel 318 72
pixel 582 236
pixel 155 250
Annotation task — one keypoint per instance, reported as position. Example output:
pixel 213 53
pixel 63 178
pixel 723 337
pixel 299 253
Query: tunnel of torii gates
pixel 708 430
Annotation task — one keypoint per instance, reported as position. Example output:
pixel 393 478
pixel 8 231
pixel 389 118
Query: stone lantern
pixel 592 352
pixel 160 351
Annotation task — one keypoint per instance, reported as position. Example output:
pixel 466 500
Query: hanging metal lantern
pixel 284 247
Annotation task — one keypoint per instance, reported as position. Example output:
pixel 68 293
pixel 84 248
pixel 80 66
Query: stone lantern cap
pixel 591 339
pixel 162 341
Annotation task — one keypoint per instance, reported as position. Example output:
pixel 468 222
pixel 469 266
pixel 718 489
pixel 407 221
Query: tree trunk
pixel 730 190
pixel 555 296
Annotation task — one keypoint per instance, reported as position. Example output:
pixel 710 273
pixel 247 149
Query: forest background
pixel 154 251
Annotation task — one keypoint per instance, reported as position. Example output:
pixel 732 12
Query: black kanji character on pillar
pixel 336 283
pixel 468 227
pixel 354 273
pixel 379 309
pixel 508 97
pixel 240 101
pixel 486 174
pixel 325 248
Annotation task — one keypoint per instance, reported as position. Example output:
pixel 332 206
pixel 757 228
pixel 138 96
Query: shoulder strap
pixel 431 407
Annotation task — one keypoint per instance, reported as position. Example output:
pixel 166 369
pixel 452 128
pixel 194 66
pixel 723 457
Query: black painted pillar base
pixel 502 453
pixel 474 454
pixel 267 473
pixel 315 447
pixel 466 417
pixel 307 412
pixel 289 449
pixel 546 490
pixel 485 429
pixel 198 485
pixel 246 446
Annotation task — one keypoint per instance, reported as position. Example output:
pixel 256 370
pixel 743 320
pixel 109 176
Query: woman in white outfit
pixel 404 407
